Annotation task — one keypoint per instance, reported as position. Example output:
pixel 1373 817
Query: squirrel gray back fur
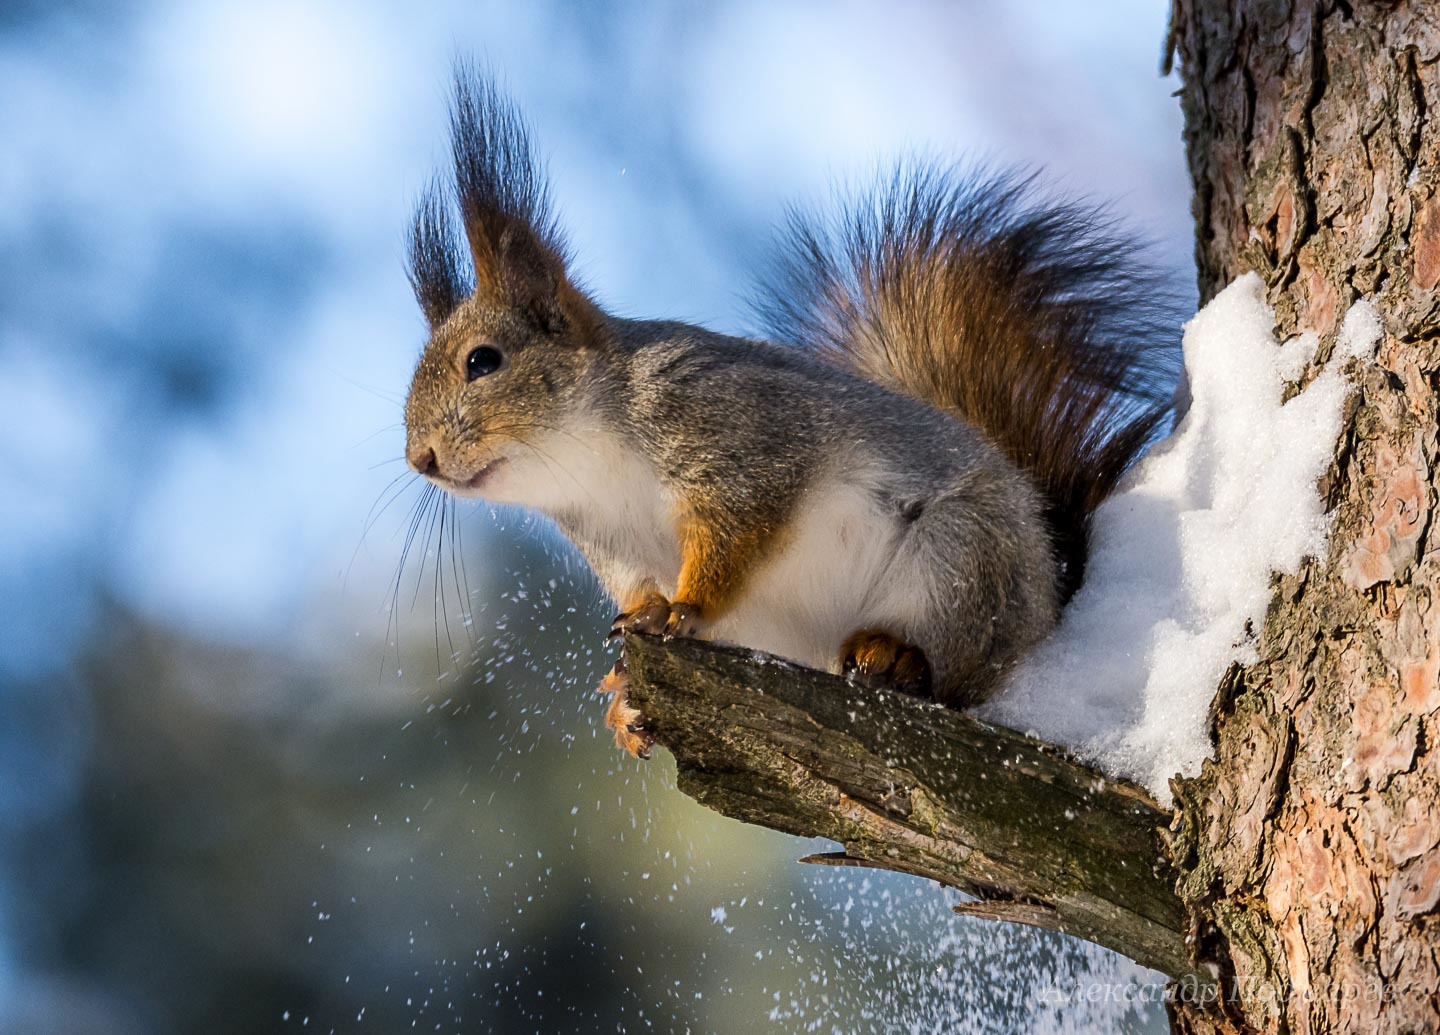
pixel 757 426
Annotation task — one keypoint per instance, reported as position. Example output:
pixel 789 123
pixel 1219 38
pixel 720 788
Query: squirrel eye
pixel 484 360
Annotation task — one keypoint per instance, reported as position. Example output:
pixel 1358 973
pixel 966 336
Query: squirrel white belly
pixel 897 485
pixel 846 566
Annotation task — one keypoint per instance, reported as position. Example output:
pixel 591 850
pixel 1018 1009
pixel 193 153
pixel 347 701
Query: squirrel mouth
pixel 479 477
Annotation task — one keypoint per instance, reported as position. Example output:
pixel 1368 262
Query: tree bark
pixel 904 784
pixel 1309 846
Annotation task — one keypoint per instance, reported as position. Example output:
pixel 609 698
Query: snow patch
pixel 1182 557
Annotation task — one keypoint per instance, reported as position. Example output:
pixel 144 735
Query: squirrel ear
pixel 520 271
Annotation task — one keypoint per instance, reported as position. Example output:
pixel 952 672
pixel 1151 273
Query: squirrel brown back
pixel 1031 319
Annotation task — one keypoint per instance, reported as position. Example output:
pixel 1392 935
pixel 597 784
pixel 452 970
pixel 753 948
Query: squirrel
pixel 896 485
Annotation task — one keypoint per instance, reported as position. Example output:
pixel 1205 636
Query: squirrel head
pixel 513 341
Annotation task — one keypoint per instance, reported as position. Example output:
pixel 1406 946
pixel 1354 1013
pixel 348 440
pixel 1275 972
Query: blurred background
pixel 256 777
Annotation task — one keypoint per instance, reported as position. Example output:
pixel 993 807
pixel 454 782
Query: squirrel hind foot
pixel 880 659
pixel 627 722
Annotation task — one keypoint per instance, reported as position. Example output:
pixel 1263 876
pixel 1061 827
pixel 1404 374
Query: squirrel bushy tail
pixel 1029 318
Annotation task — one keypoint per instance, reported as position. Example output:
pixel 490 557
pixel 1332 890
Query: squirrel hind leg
pixel 882 659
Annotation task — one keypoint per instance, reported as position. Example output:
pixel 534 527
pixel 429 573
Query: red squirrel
pixel 897 485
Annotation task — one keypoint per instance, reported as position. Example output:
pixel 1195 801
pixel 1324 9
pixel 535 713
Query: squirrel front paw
pixel 657 616
pixel 627 722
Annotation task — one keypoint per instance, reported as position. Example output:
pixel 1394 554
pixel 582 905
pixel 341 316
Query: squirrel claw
pixel 650 617
pixel 880 659
pixel 684 621
pixel 657 616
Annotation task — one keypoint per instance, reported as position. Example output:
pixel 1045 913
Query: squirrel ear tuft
pixel 518 251
pixel 436 261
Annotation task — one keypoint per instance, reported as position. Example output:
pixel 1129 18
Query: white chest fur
pixel 606 496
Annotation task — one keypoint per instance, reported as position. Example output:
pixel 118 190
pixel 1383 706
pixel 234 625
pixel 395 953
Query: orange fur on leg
pixel 715 560
pixel 712 567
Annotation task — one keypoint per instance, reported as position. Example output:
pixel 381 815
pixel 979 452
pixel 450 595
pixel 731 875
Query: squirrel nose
pixel 422 459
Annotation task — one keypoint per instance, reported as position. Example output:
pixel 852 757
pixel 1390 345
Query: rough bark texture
pixel 1309 848
pixel 903 784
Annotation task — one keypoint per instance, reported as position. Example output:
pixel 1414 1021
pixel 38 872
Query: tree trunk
pixel 1309 847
